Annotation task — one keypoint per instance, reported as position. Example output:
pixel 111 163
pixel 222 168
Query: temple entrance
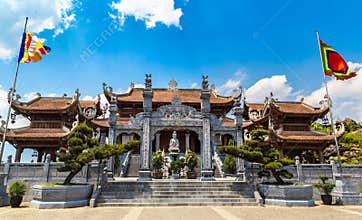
pixel 182 135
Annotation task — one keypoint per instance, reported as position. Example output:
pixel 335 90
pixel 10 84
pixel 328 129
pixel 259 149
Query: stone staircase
pixel 134 165
pixel 176 193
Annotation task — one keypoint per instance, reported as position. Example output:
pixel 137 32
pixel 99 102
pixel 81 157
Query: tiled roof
pixel 105 124
pixel 45 104
pixel 255 106
pixel 87 104
pixel 38 133
pixel 304 136
pixel 228 122
pixel 297 107
pixel 166 96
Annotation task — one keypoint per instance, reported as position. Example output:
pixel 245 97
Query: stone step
pixel 174 193
pixel 111 204
pixel 104 197
pixel 177 201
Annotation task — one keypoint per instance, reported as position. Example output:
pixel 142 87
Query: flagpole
pixel 11 95
pixel 330 107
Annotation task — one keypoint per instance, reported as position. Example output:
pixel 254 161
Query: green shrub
pixel 229 164
pixel 17 189
pixel 191 160
pixel 177 165
pixel 157 161
pixel 318 127
pixel 324 187
pixel 351 138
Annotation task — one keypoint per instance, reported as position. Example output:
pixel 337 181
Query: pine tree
pixel 82 148
pixel 256 150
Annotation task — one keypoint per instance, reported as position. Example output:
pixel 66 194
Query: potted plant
pixel 176 167
pixel 81 149
pixel 258 150
pixel 16 191
pixel 325 189
pixel 191 162
pixel 157 164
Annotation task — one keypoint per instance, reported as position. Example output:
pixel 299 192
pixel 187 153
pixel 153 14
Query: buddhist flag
pixel 31 49
pixel 334 64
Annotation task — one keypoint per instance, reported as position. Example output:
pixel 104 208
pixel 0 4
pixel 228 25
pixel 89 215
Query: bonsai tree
pixel 157 164
pixel 191 162
pixel 16 191
pixel 229 164
pixel 82 148
pixel 256 150
pixel 325 189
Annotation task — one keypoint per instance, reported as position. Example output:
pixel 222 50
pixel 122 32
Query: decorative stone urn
pixel 287 195
pixel 60 196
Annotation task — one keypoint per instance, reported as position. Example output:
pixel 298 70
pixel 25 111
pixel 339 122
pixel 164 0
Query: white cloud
pixel 194 85
pixel 276 84
pixel 149 11
pixel 228 87
pixel 56 16
pixel 346 95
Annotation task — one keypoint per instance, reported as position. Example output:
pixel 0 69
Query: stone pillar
pixel 144 172
pixel 207 172
pixel 334 168
pixel 158 149
pixel 240 163
pixel 102 139
pixel 113 110
pixel 187 142
pixel 19 151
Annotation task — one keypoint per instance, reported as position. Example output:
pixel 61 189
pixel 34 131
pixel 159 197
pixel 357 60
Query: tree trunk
pixel 277 177
pixel 70 176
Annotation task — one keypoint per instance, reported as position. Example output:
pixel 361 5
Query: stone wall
pixel 36 173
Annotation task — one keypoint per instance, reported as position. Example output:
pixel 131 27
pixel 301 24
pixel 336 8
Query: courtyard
pixel 209 212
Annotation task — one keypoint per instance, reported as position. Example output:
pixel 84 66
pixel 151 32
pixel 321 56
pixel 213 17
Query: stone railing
pixel 218 164
pixel 125 164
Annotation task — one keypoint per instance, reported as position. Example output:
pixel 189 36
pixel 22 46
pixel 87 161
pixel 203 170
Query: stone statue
pixel 174 143
pixel 205 82
pixel 148 81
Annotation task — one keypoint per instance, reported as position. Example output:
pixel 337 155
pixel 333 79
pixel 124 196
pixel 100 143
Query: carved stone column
pixel 113 110
pixel 187 141
pixel 158 149
pixel 144 173
pixel 19 151
pixel 240 164
pixel 207 172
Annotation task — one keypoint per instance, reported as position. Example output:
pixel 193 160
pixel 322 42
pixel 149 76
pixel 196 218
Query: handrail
pixel 125 164
pixel 219 164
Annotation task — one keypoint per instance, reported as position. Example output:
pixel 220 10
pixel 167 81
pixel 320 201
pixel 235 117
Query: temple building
pixel 201 119
pixel 289 124
pixel 51 120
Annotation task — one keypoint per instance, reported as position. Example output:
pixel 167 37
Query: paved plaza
pixel 189 213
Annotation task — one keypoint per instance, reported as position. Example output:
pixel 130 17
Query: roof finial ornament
pixel 131 86
pixel 77 94
pixel 148 81
pixel 213 87
pixel 65 95
pixel 172 85
pixel 205 82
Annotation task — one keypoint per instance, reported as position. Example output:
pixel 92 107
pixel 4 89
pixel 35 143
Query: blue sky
pixel 262 45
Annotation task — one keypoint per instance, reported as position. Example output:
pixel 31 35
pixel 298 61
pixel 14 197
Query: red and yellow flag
pixel 334 64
